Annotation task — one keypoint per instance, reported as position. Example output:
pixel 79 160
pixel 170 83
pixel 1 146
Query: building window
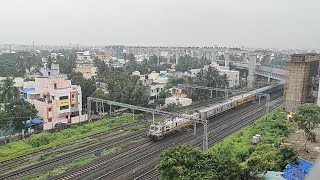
pixel 63 97
pixel 72 105
pixel 72 96
pixel 55 85
pixel 74 114
pixel 50 109
pixel 64 107
pixel 50 120
pixel 52 97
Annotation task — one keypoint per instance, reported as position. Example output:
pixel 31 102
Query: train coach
pixel 160 130
pixel 214 109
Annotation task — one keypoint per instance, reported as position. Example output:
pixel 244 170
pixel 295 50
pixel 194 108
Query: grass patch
pixel 111 151
pixel 46 140
pixel 59 170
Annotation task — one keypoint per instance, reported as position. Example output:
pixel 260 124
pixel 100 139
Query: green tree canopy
pixel 187 62
pixel 132 64
pixel 127 89
pixel 103 69
pixel 184 162
pixel 8 91
pixel 88 86
pixel 67 63
pixel 99 93
pixel 18 111
pixel 307 118
pixel 16 64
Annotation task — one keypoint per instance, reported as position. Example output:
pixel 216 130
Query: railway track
pixel 70 156
pixel 153 174
pixel 8 165
pixel 72 175
pixel 79 176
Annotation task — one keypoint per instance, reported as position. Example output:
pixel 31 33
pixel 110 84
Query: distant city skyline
pixel 286 24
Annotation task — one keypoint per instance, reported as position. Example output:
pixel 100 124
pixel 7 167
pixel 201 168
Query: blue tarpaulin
pixel 297 171
pixel 34 122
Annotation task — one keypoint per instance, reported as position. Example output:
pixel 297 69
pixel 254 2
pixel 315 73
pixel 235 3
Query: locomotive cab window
pixel 152 128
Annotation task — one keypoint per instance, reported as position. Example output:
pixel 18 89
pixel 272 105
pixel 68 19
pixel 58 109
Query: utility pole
pixel 205 135
pixel 89 109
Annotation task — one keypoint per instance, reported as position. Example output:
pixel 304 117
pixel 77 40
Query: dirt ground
pixel 296 139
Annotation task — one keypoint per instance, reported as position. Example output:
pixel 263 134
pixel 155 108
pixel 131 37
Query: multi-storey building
pixel 56 100
pixel 84 64
pixel 83 57
pixel 154 83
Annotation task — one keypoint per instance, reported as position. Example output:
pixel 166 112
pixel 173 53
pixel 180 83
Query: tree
pixel 126 89
pixel 164 93
pixel 103 69
pixel 4 121
pixel 18 111
pixel 171 106
pixel 99 93
pixel 174 81
pixel 67 63
pixel 176 161
pixel 187 62
pixel 137 92
pixel 16 64
pixel 8 91
pixel 307 118
pixel 184 162
pixel 132 64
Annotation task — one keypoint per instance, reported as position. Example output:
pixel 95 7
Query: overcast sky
pixel 252 23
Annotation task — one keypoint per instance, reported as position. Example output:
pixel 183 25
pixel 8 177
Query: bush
pixel 41 139
pixel 265 155
pixel 184 162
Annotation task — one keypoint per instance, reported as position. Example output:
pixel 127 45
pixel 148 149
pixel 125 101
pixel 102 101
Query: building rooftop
pixel 308 57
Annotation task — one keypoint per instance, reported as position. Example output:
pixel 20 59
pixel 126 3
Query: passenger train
pixel 169 126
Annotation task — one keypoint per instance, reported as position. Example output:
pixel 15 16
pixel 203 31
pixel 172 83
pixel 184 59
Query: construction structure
pixel 252 69
pixel 302 80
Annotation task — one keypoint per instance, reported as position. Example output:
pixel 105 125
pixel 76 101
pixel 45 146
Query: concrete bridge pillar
pixel 159 53
pixel 251 78
pixel 177 56
pixel 148 53
pixel 212 57
pixel 268 57
pixel 245 57
pixel 226 59
pixel 168 57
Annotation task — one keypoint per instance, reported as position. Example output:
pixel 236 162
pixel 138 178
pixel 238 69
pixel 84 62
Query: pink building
pixel 56 100
pixel 87 70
